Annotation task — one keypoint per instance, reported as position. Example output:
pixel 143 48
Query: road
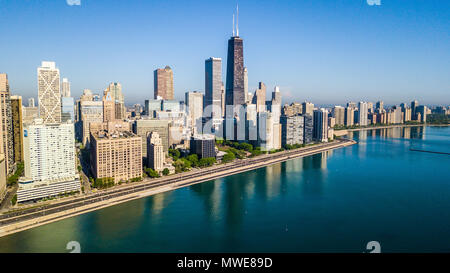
pixel 206 174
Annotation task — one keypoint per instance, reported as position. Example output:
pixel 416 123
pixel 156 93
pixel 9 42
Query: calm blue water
pixel 337 201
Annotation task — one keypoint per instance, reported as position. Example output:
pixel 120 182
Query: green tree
pixel 166 171
pixel 193 158
pixel 14 200
pixel 228 157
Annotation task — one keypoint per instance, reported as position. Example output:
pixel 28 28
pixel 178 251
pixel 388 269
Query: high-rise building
pixel 49 93
pixel 338 113
pixel 213 88
pixel 414 105
pixel 91 111
pixel 292 130
pixel 308 127
pixel 116 155
pixel 67 109
pixel 293 109
pixel 235 85
pixel 265 131
pixel 251 121
pixel 320 119
pixel 362 114
pixel 31 102
pixel 163 83
pixel 2 176
pixel 115 91
pixel 6 116
pixel 155 152
pixel 109 106
pixel 194 102
pixel 17 127
pixel 65 88
pixel 379 106
pixel 246 85
pixel 143 127
pixel 422 110
pixel 349 116
pixel 307 108
pixel 49 160
pixel 260 98
pixel 203 146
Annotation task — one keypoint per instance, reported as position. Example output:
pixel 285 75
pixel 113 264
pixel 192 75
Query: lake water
pixel 337 201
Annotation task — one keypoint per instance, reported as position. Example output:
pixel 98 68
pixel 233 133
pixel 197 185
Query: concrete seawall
pixel 80 207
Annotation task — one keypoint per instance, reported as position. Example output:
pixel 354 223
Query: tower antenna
pixel 233 24
pixel 237 20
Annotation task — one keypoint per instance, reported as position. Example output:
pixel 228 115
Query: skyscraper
pixel 115 90
pixel 31 102
pixel 163 83
pixel 213 88
pixel 246 85
pixel 17 127
pixel 155 152
pixel 65 88
pixel 339 114
pixel 194 102
pixel 307 108
pixel 414 105
pixel 260 98
pixel 49 157
pixel 362 114
pixel 235 85
pixel 320 120
pixel 6 117
pixel 292 130
pixel 49 93
pixel 109 106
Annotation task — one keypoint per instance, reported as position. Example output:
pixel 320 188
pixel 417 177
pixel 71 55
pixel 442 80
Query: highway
pixel 133 189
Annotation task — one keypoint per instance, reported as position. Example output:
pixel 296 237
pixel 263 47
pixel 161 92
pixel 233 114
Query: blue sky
pixel 325 51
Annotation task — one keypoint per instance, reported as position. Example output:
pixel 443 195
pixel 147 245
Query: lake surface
pixel 337 201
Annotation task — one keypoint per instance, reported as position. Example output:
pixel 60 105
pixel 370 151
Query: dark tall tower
pixel 235 91
pixel 235 94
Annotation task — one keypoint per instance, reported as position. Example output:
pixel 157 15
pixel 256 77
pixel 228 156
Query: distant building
pixel 362 114
pixel 163 84
pixel 155 152
pixel 308 129
pixel 422 110
pixel 259 98
pixel 213 88
pixel 67 109
pixel 91 111
pixel 49 161
pixel 194 102
pixel 115 91
pixel 17 127
pixel 203 146
pixel 349 116
pixel 116 155
pixel 292 130
pixel 109 106
pixel 414 105
pixel 31 102
pixel 338 113
pixel 320 120
pixel 65 88
pixel 29 114
pixel 292 109
pixel 235 86
pixel 143 127
pixel 49 93
pixel 308 108
pixel 379 106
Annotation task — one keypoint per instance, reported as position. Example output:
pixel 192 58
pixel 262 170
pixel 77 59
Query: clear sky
pixel 325 51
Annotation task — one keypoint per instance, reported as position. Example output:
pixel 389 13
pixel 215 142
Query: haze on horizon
pixel 324 51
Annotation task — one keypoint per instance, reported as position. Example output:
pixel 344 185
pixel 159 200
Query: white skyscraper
pixel 49 157
pixel 49 93
pixel 65 88
pixel 363 113
pixel 194 102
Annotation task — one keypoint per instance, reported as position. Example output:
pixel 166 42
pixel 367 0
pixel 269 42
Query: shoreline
pixel 343 132
pixel 23 220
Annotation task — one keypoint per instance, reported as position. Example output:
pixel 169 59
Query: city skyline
pixel 422 61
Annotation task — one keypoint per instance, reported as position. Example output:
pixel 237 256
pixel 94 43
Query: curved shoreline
pixel 343 132
pixel 23 220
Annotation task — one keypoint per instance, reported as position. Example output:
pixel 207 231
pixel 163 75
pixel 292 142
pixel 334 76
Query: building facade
pixel 7 129
pixel 292 128
pixel 49 93
pixel 17 127
pixel 163 83
pixel 155 152
pixel 116 155
pixel 320 120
